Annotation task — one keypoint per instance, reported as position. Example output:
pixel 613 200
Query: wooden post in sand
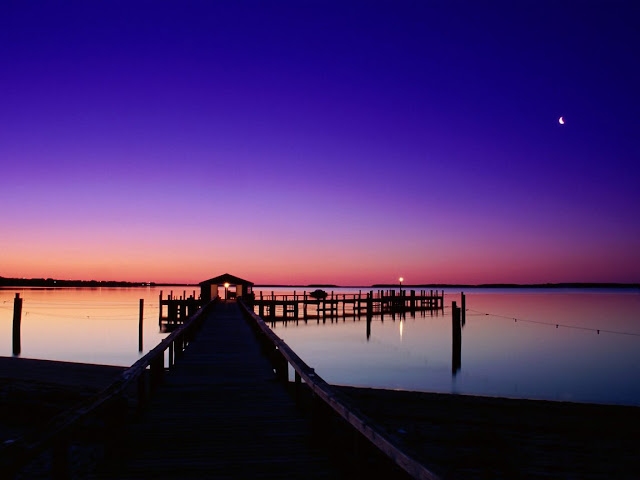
pixel 17 318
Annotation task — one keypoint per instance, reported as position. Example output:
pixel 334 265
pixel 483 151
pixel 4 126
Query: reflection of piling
pixel 368 327
pixel 456 344
pixel 140 324
pixel 17 317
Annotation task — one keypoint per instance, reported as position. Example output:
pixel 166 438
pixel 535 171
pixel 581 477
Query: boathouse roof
pixel 226 278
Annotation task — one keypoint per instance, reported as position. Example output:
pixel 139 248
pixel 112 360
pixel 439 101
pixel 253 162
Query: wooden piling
pixel 456 339
pixel 17 318
pixel 140 323
pixel 463 305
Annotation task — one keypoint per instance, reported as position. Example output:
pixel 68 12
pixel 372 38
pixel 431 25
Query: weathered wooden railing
pixel 109 406
pixel 372 295
pixel 351 304
pixel 282 356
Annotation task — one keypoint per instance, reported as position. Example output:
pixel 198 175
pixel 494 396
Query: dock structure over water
pixel 174 310
pixel 321 304
pixel 220 413
pixel 306 305
pixel 221 397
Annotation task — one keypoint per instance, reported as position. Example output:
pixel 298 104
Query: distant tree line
pixel 51 282
pixel 516 285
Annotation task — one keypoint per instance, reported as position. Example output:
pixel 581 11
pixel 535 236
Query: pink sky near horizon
pixel 346 143
pixel 191 262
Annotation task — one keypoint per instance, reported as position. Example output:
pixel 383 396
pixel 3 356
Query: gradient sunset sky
pixel 302 142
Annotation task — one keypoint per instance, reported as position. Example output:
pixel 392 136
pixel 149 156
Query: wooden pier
pixel 273 307
pixel 214 400
pixel 174 310
pixel 178 309
pixel 219 413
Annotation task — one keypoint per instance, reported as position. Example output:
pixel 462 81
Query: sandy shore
pixel 456 436
pixel 459 436
pixel 34 391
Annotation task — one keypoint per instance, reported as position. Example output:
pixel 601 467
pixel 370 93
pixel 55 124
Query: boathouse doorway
pixel 225 287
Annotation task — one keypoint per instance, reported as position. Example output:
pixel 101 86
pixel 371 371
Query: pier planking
pixel 220 412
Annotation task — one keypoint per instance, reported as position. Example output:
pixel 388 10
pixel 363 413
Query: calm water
pixel 98 325
pixel 529 357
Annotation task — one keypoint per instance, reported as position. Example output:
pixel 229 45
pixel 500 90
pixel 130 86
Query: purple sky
pixel 299 142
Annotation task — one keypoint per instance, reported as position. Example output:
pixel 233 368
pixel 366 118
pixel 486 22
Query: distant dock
pixel 273 307
pixel 174 310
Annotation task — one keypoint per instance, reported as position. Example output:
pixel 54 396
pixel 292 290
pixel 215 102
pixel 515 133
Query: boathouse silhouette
pixel 209 289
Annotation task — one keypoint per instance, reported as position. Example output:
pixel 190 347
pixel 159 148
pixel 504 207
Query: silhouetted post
pixel 140 321
pixel 17 317
pixel 304 306
pixel 368 327
pixel 61 459
pixel 456 333
pixel 463 303
pixel 261 307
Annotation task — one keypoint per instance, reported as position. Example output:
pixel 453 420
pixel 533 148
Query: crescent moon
pixel 561 121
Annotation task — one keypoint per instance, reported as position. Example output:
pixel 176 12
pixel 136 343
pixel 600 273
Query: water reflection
pixel 88 325
pixel 593 355
pixel 581 360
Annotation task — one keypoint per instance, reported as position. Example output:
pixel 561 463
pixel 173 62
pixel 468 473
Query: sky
pixel 298 142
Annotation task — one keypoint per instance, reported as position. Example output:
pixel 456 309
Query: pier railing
pixel 282 356
pixel 109 408
pixel 310 305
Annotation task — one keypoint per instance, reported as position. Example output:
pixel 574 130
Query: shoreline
pixel 56 283
pixel 463 436
pixel 456 436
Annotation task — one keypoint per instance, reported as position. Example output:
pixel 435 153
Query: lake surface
pixel 88 325
pixel 556 344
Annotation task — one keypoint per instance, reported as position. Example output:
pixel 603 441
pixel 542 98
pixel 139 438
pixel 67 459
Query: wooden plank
pixel 342 407
pixel 221 413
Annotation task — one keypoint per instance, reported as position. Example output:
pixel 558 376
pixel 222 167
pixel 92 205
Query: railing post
pixel 281 366
pixel 60 459
pixel 297 387
pixel 157 371
pixel 115 419
pixel 142 391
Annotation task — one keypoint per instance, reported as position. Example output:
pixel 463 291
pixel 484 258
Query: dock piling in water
pixel 456 339
pixel 335 305
pixel 140 322
pixel 17 318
